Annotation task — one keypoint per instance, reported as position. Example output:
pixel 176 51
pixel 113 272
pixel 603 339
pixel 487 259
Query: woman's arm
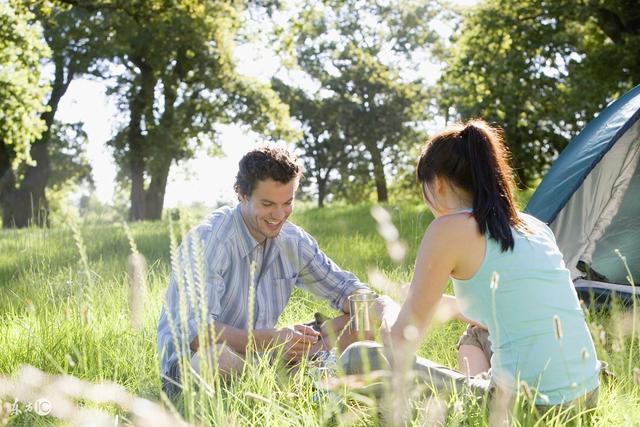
pixel 434 263
pixel 448 308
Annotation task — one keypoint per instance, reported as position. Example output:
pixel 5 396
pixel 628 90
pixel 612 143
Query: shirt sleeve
pixel 321 276
pixel 195 287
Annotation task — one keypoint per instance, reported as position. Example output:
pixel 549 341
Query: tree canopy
pixel 367 103
pixel 22 87
pixel 179 80
pixel 541 70
pixel 360 95
pixel 75 38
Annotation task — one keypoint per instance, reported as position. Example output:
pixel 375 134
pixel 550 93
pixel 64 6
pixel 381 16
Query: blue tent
pixel 591 200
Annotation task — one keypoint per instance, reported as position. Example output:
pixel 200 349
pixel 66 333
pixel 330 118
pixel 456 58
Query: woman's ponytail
pixel 473 157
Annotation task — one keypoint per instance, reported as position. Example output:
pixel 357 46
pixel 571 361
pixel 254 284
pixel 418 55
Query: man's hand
pixel 297 340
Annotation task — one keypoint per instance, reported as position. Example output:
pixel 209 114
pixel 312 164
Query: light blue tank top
pixel 536 325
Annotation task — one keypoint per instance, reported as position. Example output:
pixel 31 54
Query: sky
pixel 202 179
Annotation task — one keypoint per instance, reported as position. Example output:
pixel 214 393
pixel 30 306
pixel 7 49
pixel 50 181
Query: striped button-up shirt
pixel 222 251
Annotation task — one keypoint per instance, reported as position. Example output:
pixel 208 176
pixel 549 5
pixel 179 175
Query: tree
pixel 74 37
pixel 69 162
pixel 357 54
pixel 22 89
pixel 323 145
pixel 70 168
pixel 541 70
pixel 179 81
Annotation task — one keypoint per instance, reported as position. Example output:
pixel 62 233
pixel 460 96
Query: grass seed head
pixel 69 360
pixel 380 214
pixel 435 412
pixel 616 347
pixel 410 333
pixel 458 407
pixel 584 353
pixel 467 368
pixel 5 412
pixel 379 281
pixel 495 278
pixel 396 248
pixel 602 336
pixel 86 314
pixel 137 288
pixel 557 327
pixel 526 390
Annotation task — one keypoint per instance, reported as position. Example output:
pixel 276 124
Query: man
pixel 251 245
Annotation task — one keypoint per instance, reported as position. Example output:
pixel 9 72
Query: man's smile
pixel 273 224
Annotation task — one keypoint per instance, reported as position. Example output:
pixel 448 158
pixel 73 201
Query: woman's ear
pixel 438 185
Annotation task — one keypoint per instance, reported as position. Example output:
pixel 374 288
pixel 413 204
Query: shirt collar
pixel 246 242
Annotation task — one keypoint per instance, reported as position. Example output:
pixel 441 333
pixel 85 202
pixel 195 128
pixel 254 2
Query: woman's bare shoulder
pixel 459 224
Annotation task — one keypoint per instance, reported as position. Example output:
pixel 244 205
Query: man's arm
pixel 321 276
pixel 296 340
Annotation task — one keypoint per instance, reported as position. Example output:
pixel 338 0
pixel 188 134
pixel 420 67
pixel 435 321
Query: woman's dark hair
pixel 473 157
pixel 263 163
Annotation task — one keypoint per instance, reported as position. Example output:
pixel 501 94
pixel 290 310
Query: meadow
pixel 65 309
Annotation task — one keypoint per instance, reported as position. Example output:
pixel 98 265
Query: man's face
pixel 268 207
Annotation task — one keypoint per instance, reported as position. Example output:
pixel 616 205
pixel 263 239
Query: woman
pixel 507 272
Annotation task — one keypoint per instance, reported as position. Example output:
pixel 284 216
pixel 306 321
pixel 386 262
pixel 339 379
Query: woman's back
pixel 536 325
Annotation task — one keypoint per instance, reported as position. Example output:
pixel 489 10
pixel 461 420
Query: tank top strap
pixel 461 210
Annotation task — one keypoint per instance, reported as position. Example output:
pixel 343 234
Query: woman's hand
pixel 386 311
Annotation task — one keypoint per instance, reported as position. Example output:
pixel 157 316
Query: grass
pixel 64 309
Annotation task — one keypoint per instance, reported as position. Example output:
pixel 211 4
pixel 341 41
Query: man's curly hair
pixel 263 163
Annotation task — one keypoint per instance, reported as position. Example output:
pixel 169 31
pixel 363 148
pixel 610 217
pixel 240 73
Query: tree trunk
pixel 5 167
pixel 136 173
pixel 378 172
pixel 323 182
pixel 322 189
pixel 140 104
pixel 28 204
pixel 160 167
pixel 154 196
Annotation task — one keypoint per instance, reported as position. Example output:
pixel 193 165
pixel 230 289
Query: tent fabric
pixel 622 234
pixel 582 155
pixel 627 167
pixel 591 195
pixel 590 212
pixel 598 294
